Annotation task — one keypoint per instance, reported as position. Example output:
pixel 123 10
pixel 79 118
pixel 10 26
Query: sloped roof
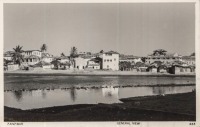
pixel 47 55
pixel 40 64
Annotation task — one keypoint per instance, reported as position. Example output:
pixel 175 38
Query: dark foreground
pixel 177 107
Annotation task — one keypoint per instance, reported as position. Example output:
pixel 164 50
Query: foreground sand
pixel 177 107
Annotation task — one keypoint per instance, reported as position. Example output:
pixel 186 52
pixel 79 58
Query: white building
pixel 110 60
pixel 130 58
pixel 168 58
pixel 8 55
pixel 94 64
pixel 32 57
pixel 46 57
pixel 80 63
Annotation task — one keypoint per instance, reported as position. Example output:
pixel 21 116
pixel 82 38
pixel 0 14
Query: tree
pixel 62 54
pixel 73 52
pixel 193 54
pixel 17 55
pixel 143 59
pixel 159 52
pixel 43 48
pixel 101 51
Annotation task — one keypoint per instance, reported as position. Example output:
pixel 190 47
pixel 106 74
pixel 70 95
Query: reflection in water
pixel 58 97
pixel 158 90
pixel 163 90
pixel 44 94
pixel 18 95
pixel 110 91
pixel 73 93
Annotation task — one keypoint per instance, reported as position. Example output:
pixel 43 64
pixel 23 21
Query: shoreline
pixel 145 108
pixel 95 73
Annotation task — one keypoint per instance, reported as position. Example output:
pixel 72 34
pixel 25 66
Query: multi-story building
pixel 129 58
pixel 189 60
pixel 32 57
pixel 110 60
pixel 167 58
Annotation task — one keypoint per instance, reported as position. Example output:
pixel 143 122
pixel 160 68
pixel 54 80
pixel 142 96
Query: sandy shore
pixel 174 107
pixel 93 73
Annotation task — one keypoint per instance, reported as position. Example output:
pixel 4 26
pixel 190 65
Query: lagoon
pixel 31 92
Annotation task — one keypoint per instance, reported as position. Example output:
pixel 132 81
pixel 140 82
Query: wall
pixel 80 63
pixel 47 59
pixel 165 60
pixel 13 67
pixel 111 61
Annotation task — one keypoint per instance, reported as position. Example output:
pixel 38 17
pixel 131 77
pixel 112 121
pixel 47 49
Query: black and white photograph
pixel 99 62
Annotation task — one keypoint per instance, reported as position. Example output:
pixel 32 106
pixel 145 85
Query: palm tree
pixel 17 55
pixel 43 48
pixel 62 54
pixel 73 54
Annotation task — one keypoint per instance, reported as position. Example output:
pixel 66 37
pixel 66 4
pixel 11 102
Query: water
pixel 48 90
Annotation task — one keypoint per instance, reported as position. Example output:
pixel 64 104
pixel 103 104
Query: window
pixel 104 60
pixel 114 59
pixel 107 60
pixel 110 60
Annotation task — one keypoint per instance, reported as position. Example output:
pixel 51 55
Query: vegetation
pixel 125 66
pixel 159 52
pixel 62 54
pixel 17 55
pixel 43 48
pixel 101 51
pixel 193 54
pixel 73 54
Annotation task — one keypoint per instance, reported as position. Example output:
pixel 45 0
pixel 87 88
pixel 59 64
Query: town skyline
pixel 126 28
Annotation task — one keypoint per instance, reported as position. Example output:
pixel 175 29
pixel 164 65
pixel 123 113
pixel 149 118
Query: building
pixel 190 60
pixel 129 58
pixel 46 57
pixel 95 63
pixel 178 69
pixel 167 58
pixel 8 55
pixel 80 63
pixel 32 57
pixel 110 60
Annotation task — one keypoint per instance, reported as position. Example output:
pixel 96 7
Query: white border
pixel 105 124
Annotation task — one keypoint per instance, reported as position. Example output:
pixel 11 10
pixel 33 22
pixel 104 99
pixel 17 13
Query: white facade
pixel 110 61
pixel 47 59
pixel 94 65
pixel 33 52
pixel 169 58
pixel 32 56
pixel 80 63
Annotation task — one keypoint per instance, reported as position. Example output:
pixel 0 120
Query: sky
pixel 128 28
